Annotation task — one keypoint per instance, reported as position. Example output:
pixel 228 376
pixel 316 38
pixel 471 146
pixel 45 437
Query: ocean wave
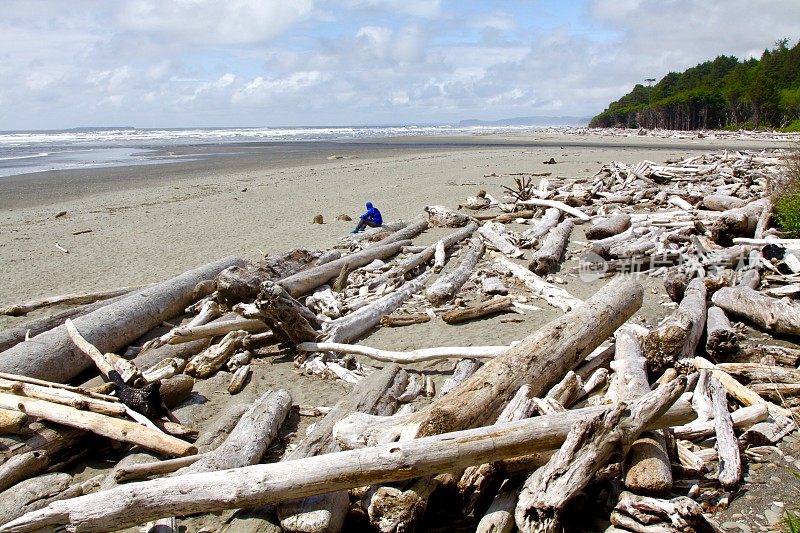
pixel 28 156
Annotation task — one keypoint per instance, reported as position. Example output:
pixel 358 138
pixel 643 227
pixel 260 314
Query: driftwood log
pixel 541 228
pixel 547 258
pixel 721 339
pixel 771 314
pixel 607 227
pixel 136 503
pixel 450 282
pixel 53 357
pixel 489 307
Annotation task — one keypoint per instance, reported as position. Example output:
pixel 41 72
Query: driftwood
pixel 404 319
pixel 208 362
pixel 285 315
pixel 730 462
pixel 136 503
pixel 493 234
pixel 13 336
pixel 489 307
pixel 772 314
pixel 306 281
pixel 761 372
pixel 722 202
pixel 607 227
pixel 588 447
pixel 410 357
pixel 12 422
pixel 647 465
pixel 550 293
pixel 644 514
pixel 376 394
pixel 539 360
pixel 577 213
pixel 755 353
pixel 548 221
pixel 409 232
pixel 449 283
pixel 462 371
pixel 676 338
pixel 738 222
pixel 721 340
pixel 550 254
pixel 442 217
pixel 114 428
pixel 21 467
pixel 65 299
pixel 53 357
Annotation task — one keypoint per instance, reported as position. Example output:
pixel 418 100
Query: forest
pixel 725 93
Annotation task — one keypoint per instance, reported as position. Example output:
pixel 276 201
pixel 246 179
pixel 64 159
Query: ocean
pixel 23 152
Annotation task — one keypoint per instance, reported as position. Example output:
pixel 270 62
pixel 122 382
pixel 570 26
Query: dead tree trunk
pixel 551 253
pixel 308 280
pixel 730 462
pixel 255 485
pixel 607 227
pixel 409 232
pixel 588 447
pixel 543 226
pixel 53 357
pixel 677 337
pixel 448 284
pixel 489 307
pixel 771 314
pixel 375 394
pixel 647 465
pixel 721 340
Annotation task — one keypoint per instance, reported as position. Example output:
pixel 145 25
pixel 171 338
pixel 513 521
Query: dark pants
pixel 363 223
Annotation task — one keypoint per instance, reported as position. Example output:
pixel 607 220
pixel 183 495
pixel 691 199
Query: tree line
pixel 719 94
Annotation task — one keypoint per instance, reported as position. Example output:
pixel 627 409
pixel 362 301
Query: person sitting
pixel 371 218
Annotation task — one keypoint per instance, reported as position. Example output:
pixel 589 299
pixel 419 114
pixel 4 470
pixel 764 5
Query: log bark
pixel 489 307
pixel 307 280
pixel 730 462
pixel 136 503
pixel 239 379
pixel 547 258
pixel 771 314
pixel 23 497
pixel 285 315
pixel 676 338
pixel 110 427
pixel 647 465
pixel 588 447
pixel 721 339
pixel 448 284
pixel 53 357
pixel 607 227
pixel 237 284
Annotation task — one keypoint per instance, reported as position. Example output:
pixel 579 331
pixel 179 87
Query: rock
pixel 346 218
pixel 317 220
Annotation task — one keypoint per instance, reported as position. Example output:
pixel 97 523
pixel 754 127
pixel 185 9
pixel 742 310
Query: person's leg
pixel 370 223
pixel 361 225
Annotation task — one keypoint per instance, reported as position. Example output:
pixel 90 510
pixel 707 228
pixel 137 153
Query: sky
pixel 261 63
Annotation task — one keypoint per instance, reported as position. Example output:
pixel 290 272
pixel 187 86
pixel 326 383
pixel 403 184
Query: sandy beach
pixel 136 225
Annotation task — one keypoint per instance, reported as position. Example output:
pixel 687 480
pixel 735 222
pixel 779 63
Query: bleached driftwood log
pixel 352 326
pixel 643 514
pixel 208 362
pixel 307 280
pixel 449 283
pixel 406 265
pixel 12 422
pixel 493 233
pixel 588 447
pixel 539 360
pixel 65 299
pixel 757 352
pixel 721 339
pixel 547 258
pixel 761 372
pixel 285 315
pixel 489 307
pixel 499 518
pixel 414 228
pixel 375 394
pixel 548 221
pixel 113 428
pixel 577 213
pixel 722 202
pixel 22 466
pixel 730 462
pixel 442 217
pixel 208 312
pixel 410 357
pixel 215 328
pixel 607 227
pixel 676 338
pixel 52 355
pixel 550 293
pixel 136 503
pixel 105 363
pixel 772 314
pixel 738 222
pixel 462 371
pixel 647 465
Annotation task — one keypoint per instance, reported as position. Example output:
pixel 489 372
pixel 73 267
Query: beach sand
pixel 151 222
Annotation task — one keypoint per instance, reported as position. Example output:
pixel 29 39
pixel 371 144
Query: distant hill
pixel 529 121
pixel 723 93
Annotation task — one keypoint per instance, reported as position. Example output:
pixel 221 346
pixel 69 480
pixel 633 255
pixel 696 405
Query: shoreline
pixel 140 224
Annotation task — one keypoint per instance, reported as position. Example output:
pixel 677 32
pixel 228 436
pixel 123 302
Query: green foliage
pixel 786 196
pixel 723 93
pixel 791 522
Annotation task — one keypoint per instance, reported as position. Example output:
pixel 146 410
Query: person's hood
pixel 369 205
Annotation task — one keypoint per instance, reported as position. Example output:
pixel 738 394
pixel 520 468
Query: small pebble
pixel 736 526
pixel 775 479
pixel 788 458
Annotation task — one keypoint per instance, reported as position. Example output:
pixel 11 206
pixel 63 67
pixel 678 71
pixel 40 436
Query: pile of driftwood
pixel 643 429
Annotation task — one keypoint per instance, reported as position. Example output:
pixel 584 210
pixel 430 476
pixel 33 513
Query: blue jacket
pixel 373 215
